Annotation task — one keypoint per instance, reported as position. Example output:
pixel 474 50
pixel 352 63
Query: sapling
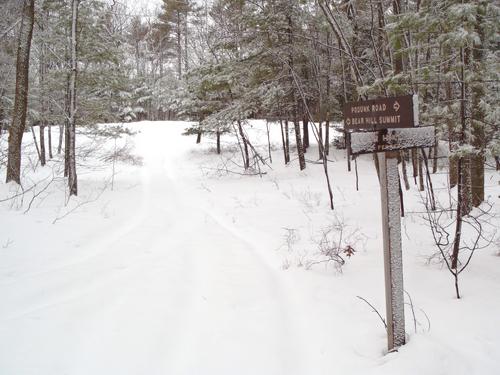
pixel 458 236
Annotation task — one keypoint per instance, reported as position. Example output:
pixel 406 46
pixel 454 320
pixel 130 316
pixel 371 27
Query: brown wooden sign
pixel 382 113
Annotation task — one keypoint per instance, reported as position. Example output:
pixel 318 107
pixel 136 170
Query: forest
pixel 223 62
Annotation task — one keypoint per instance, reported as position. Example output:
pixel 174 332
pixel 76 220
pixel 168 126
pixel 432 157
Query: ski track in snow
pixel 183 281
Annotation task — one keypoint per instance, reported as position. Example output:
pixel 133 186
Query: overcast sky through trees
pixel 140 4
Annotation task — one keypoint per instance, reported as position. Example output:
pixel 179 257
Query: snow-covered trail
pixel 179 271
pixel 171 284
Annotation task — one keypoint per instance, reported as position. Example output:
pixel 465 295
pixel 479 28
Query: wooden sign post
pixel 393 254
pixel 385 126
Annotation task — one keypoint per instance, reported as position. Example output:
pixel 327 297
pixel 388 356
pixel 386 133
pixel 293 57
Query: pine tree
pixel 173 25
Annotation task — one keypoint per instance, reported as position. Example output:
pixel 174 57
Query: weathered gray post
pixel 384 126
pixel 393 256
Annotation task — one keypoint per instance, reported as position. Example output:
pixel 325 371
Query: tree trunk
pixel 421 186
pixel 43 158
pixel 246 160
pixel 283 142
pixel 327 134
pixel 377 165
pixel 198 136
pixel 405 171
pixel 287 142
pixel 305 127
pixel 179 46
pixel 218 141
pixel 478 134
pixel 398 43
pixel 61 138
pixel 347 144
pixel 16 129
pixel 429 181
pixel 435 155
pixel 300 149
pixel 452 160
pixel 463 162
pixel 327 119
pixel 2 111
pixel 414 164
pixel 72 176
pixel 49 133
pixel 298 138
pixel 268 143
pixel 160 58
pixel 66 123
pixel 35 142
pixel 458 224
pixel 43 100
pixel 186 59
pixel 320 140
pixel 137 57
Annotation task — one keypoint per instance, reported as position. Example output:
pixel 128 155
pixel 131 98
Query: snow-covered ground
pixel 182 268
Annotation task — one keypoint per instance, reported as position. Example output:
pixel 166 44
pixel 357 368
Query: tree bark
pixel 179 46
pixel 328 85
pixel 305 129
pixel 49 134
pixel 18 125
pixel 72 176
pixel 421 186
pixel 186 57
pixel 2 112
pixel 404 170
pixel 414 164
pixel 285 153
pixel 298 138
pixel 327 134
pixel 43 100
pixel 452 138
pixel 435 155
pixel 458 223
pixel 300 148
pixel 320 140
pixel 287 142
pixel 198 135
pixel 246 160
pixel 347 144
pixel 464 172
pixel 478 134
pixel 268 143
pixel 35 142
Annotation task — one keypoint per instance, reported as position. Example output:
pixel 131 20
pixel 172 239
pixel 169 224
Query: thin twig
pixel 375 310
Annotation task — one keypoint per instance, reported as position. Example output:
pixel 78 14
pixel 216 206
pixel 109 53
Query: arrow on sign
pixel 396 106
